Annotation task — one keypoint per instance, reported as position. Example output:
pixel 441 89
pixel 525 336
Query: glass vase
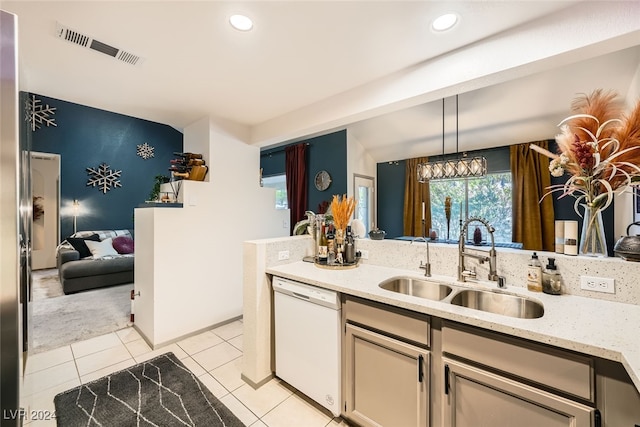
pixel 592 237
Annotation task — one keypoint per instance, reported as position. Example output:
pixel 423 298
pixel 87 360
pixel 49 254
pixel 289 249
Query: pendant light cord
pixel 458 152
pixel 443 129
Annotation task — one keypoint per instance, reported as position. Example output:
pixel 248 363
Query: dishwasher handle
pixel 301 296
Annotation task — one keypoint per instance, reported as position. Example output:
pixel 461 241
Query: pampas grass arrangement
pixel 598 146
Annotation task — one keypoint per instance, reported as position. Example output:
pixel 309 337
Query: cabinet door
pixel 386 380
pixel 478 398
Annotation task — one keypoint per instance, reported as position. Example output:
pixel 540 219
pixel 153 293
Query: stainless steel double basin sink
pixel 492 301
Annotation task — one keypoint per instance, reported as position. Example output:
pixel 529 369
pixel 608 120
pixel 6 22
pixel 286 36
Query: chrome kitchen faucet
pixel 463 273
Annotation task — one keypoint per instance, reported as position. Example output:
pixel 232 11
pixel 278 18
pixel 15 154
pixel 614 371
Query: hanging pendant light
pixel 452 169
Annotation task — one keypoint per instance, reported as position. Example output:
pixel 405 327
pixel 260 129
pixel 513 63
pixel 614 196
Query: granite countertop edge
pixel 586 325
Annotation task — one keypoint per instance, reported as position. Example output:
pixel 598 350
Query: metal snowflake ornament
pixel 38 114
pixel 145 151
pixel 104 178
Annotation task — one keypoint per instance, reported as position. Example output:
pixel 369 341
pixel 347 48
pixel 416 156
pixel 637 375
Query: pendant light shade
pixel 452 169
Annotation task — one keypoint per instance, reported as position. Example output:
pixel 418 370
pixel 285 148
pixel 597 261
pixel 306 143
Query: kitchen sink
pixel 499 303
pixel 417 287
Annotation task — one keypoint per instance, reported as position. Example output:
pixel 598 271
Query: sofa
pixel 95 259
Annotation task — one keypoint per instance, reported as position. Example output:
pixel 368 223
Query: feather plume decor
pixel 599 147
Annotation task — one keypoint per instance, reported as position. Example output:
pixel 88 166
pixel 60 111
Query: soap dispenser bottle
pixel 551 279
pixel 534 274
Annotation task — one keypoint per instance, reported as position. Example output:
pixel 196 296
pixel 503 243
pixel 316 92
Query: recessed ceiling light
pixel 241 22
pixel 444 22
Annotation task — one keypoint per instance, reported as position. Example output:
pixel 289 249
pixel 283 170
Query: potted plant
pixel 157 182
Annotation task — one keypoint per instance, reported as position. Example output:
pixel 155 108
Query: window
pixel 279 182
pixel 488 197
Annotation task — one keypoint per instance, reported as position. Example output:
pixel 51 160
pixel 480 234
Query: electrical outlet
pixel 282 255
pixel 598 284
pixel 364 254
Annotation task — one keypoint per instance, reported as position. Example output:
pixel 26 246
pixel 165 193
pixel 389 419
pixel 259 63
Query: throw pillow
pixel 123 244
pixel 101 249
pixel 79 244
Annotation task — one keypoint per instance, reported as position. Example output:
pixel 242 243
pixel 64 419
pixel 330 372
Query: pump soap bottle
pixel 534 274
pixel 551 279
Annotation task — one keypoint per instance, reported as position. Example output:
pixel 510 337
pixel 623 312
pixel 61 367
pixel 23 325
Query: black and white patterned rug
pixel 159 392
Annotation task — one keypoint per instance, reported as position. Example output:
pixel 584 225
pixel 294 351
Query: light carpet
pixel 58 320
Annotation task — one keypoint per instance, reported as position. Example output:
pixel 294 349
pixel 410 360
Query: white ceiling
pixel 301 56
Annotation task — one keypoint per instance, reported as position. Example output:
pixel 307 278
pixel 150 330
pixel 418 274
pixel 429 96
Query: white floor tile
pixel 338 422
pixel 240 411
pixel 199 342
pixel 42 423
pixel 264 399
pixel 193 366
pixel 229 374
pixel 171 348
pixel 128 334
pixel 48 378
pixel 230 330
pixel 94 345
pixel 296 411
pixel 40 361
pixel 102 359
pixel 214 386
pixel 216 356
pixel 92 376
pixel 236 342
pixel 43 400
pixel 258 424
pixel 138 347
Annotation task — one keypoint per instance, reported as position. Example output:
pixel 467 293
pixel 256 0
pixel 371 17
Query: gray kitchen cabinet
pixel 386 378
pixel 617 395
pixel 495 380
pixel 479 398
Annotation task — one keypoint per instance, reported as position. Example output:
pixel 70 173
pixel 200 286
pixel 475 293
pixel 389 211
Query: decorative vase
pixel 592 237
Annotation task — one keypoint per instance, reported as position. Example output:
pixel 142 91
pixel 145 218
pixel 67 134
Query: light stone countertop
pixel 600 328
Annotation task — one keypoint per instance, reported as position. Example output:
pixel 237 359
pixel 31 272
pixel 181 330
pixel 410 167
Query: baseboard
pixel 259 383
pixel 190 334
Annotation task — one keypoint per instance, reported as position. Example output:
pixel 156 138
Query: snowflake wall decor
pixel 145 151
pixel 38 114
pixel 104 178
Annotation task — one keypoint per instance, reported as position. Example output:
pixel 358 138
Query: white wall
pixel 623 203
pixel 358 161
pixel 197 250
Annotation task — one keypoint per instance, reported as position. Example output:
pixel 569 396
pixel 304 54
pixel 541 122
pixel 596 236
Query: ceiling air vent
pixel 89 42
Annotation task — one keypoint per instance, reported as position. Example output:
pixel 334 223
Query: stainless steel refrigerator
pixel 14 250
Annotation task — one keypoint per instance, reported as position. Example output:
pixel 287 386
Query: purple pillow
pixel 123 244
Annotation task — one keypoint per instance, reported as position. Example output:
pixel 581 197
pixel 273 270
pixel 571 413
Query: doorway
pixel 45 190
pixel 364 190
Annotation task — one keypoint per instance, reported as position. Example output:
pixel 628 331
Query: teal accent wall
pixel 391 178
pixel 86 137
pixel 326 152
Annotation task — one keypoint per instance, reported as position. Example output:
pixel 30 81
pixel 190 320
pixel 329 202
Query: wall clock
pixel 322 180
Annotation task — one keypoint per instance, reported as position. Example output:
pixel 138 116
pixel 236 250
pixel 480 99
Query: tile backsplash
pixel 511 263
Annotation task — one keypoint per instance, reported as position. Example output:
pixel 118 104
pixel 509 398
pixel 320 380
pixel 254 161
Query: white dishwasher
pixel 307 329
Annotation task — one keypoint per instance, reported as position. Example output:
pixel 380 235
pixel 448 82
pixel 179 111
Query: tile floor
pixel 214 356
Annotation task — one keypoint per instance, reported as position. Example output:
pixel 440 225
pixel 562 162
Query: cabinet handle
pixel 420 368
pixel 597 418
pixel 446 379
